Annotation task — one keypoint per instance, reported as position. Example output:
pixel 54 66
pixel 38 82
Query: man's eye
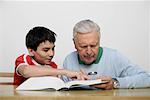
pixel 83 46
pixel 93 46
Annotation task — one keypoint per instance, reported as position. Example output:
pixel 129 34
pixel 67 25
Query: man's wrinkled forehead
pixel 82 36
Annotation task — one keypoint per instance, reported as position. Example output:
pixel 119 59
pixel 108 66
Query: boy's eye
pixel 53 48
pixel 45 50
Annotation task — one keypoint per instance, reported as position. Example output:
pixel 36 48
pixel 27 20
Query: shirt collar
pixel 100 52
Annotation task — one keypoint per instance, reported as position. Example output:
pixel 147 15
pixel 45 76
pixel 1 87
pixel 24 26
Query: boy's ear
pixel 31 52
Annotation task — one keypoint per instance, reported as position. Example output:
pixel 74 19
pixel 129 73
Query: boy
pixel 40 44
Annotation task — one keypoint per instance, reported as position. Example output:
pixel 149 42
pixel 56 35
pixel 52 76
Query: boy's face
pixel 44 53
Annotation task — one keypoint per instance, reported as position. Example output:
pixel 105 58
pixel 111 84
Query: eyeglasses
pixel 92 73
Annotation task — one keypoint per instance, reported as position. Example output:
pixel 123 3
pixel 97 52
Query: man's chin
pixel 89 62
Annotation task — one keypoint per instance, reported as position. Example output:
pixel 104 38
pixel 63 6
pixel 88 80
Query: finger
pixel 83 71
pixel 83 76
pixel 86 77
pixel 102 86
pixel 78 76
pixel 74 75
pixel 106 86
pixel 110 86
pixel 105 78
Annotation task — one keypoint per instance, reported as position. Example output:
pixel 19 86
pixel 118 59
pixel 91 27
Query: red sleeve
pixel 19 60
pixel 53 64
pixel 18 79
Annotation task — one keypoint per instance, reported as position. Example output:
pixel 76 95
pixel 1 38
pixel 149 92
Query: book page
pixel 40 83
pixel 78 83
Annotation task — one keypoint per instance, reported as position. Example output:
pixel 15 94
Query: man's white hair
pixel 85 26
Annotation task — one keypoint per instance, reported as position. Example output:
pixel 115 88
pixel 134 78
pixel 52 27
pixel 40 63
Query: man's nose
pixel 89 50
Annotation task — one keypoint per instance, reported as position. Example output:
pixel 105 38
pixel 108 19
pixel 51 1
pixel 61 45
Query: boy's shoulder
pixel 23 56
pixel 26 58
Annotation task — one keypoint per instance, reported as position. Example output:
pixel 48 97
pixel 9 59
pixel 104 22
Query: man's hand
pixel 107 86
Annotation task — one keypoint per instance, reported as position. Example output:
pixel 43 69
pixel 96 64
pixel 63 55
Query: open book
pixel 49 82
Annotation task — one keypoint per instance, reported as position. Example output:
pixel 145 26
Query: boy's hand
pixel 77 75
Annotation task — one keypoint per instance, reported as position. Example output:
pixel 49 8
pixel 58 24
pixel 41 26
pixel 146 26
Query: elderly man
pixel 101 62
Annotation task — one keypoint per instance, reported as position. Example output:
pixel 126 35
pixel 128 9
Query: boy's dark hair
pixel 38 35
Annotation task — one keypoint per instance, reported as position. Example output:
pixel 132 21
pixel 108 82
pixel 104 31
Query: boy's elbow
pixel 25 72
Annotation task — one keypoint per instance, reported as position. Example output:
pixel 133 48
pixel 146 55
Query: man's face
pixel 87 46
pixel 44 53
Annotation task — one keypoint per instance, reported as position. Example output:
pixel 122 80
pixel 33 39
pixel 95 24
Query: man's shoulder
pixel 114 53
pixel 72 54
pixel 110 50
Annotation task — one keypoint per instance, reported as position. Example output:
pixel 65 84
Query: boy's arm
pixel 34 70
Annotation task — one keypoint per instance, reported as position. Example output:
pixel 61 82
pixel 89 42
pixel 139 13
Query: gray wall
pixel 124 26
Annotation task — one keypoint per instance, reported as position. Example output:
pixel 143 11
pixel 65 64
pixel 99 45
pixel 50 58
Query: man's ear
pixel 74 43
pixel 31 52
